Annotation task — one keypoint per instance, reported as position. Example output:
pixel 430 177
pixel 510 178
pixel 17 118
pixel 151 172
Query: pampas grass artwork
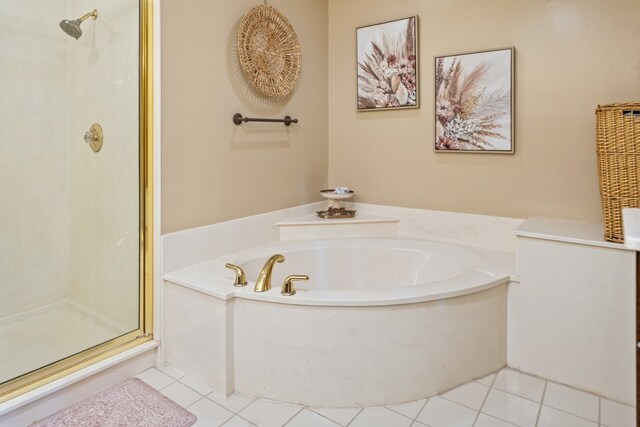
pixel 388 65
pixel 474 102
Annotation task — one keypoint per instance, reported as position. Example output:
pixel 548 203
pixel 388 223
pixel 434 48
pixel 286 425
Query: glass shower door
pixel 72 193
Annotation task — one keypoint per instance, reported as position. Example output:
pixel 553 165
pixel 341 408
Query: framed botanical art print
pixel 474 107
pixel 388 65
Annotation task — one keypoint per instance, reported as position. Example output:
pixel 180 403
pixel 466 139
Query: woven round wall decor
pixel 269 51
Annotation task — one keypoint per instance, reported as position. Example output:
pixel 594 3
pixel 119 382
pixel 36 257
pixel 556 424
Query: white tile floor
pixel 505 399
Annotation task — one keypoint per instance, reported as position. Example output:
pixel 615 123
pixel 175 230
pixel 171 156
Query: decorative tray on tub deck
pixel 333 213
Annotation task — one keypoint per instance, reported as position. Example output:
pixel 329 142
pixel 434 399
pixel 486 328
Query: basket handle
pixel 631 113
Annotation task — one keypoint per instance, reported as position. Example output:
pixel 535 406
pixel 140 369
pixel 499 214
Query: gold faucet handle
pixel 241 280
pixel 287 286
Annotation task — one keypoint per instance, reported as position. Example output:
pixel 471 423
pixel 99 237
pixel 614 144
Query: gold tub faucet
pixel 287 287
pixel 263 283
pixel 241 280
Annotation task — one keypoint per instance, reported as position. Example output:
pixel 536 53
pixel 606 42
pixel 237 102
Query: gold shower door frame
pixel 95 354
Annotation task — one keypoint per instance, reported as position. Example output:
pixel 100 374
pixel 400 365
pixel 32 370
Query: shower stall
pixel 75 185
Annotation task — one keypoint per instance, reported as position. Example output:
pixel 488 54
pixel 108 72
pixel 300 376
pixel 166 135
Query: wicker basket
pixel 618 149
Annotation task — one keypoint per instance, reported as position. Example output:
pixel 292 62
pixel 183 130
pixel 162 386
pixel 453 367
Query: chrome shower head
pixel 72 27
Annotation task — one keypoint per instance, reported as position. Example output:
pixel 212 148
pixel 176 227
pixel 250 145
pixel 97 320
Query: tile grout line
pixel 486 396
pixel 162 388
pixel 334 421
pixel 399 413
pixel 225 421
pixel 396 412
pixel 233 414
pixel 193 389
pixel 228 409
pixel 187 407
pixel 572 414
pixel 544 392
pixel 236 415
pixel 294 415
pixel 209 400
pixel 462 404
pixel 170 376
pixel 421 409
pixel 546 383
pixel 243 418
pixel 354 418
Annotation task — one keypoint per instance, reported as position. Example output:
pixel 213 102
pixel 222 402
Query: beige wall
pixel 213 170
pixel 571 55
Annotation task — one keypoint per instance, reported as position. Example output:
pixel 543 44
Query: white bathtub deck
pixel 212 278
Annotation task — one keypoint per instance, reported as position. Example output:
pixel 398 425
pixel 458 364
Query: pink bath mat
pixel 129 403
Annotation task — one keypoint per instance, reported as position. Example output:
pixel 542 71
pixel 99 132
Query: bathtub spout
pixel 263 283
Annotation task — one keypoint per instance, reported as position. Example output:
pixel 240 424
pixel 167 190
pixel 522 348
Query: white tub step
pixel 313 227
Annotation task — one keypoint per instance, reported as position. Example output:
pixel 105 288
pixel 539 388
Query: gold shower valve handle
pixel 287 286
pixel 93 137
pixel 241 280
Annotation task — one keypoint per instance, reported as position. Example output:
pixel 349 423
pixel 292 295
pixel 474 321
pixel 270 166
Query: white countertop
pixel 560 230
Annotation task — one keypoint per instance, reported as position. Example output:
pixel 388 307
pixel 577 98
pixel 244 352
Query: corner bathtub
pixel 380 321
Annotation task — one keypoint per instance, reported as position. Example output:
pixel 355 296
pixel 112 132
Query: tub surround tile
pixel 511 408
pixel 196 339
pixel 519 384
pixel 551 417
pixel 490 232
pixel 409 409
pixel 440 412
pixel 155 378
pixel 471 395
pixel 181 394
pixel 184 248
pixel 307 418
pixel 380 417
pixel 265 413
pixel 564 284
pixel 573 401
pixel 209 414
pixel 342 416
pixel 266 329
pixel 614 414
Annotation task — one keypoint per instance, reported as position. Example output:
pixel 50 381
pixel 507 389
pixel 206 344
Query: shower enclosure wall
pixel 74 264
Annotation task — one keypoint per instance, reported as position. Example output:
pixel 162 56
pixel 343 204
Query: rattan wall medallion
pixel 269 51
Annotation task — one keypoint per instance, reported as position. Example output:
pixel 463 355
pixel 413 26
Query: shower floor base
pixel 36 342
